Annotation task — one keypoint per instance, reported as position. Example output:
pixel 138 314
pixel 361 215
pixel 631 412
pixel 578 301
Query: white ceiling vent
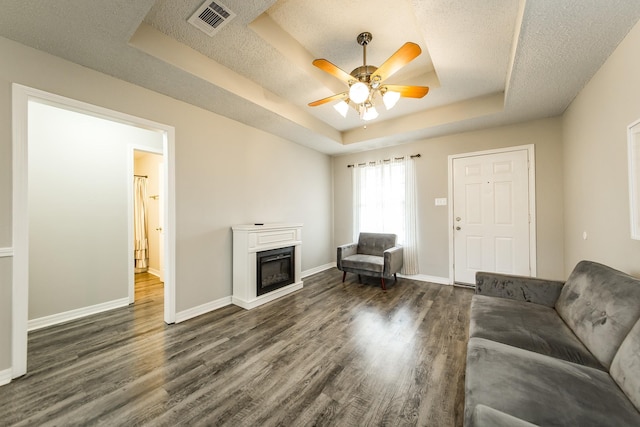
pixel 211 17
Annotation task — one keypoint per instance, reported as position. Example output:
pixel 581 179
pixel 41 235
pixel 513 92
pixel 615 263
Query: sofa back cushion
pixel 375 243
pixel 625 368
pixel 600 305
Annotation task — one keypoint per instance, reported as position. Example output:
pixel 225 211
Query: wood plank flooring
pixel 330 354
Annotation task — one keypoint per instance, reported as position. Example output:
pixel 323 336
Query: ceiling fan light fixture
pixel 342 108
pixel 359 92
pixel 367 81
pixel 390 99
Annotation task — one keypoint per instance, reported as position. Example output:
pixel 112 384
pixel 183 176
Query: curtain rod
pixel 385 160
pixel 142 176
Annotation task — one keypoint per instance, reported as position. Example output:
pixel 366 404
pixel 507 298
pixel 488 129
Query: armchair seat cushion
pixel 364 262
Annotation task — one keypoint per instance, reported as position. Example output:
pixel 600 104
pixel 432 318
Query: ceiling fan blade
pixel 409 91
pixel 407 53
pixel 335 97
pixel 327 66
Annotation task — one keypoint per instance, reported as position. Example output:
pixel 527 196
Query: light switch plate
pixel 441 201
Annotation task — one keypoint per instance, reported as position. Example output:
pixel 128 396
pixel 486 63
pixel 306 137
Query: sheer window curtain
pixel 141 243
pixel 385 201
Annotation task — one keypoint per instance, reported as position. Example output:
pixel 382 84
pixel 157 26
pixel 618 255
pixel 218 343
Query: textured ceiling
pixel 487 63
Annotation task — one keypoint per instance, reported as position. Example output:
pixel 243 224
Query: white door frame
pixel 20 285
pixel 532 203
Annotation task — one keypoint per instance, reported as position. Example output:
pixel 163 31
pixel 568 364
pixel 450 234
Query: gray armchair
pixel 375 254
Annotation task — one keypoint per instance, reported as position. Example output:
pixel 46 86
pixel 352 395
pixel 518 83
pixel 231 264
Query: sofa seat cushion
pixel 528 326
pixel 483 416
pixel 600 305
pixel 364 262
pixel 542 390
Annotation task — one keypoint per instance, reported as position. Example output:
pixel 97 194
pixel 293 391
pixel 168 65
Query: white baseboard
pixel 154 272
pixel 6 252
pixel 427 278
pixel 5 377
pixel 190 313
pixel 263 299
pixel 66 316
pixel 318 269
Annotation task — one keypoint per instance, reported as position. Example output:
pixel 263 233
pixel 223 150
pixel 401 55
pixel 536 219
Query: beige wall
pixel 432 177
pixel 78 200
pixel 226 173
pixel 148 164
pixel 595 163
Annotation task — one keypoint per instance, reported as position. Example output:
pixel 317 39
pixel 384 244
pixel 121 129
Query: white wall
pixel 78 198
pixel 595 163
pixel 226 173
pixel 432 177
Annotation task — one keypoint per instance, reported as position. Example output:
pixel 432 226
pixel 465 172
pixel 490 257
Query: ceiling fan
pixel 367 81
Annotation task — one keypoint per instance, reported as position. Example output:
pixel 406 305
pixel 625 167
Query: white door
pixel 161 197
pixel 491 215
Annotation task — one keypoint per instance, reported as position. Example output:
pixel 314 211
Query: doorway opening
pixel 23 97
pixel 148 221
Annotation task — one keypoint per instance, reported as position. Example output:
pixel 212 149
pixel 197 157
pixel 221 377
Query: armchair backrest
pixel 375 243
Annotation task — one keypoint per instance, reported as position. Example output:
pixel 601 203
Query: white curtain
pixel 141 243
pixel 410 265
pixel 384 197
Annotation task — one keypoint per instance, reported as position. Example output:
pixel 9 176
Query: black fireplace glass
pixel 275 269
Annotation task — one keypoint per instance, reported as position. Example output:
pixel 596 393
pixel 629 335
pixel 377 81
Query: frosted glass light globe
pixel 390 98
pixel 342 108
pixel 370 113
pixel 358 92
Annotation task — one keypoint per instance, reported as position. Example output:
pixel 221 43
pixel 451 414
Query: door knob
pixel 159 229
pixel 458 228
pixel 458 218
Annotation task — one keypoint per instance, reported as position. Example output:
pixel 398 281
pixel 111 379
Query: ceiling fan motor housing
pixel 363 73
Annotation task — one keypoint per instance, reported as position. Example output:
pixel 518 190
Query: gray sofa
pixel 551 353
pixel 375 254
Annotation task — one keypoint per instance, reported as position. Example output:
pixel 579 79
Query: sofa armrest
pixel 520 288
pixel 393 260
pixel 345 251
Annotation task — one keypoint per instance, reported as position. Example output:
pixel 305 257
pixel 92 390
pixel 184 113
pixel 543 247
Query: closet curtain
pixel 385 201
pixel 141 243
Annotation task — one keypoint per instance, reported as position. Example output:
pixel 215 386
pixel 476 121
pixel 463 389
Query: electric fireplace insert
pixel 275 269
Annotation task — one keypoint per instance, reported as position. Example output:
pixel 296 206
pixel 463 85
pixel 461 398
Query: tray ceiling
pixel 487 63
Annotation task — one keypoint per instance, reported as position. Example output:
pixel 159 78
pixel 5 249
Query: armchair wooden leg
pixel 395 278
pixel 344 274
pixel 359 279
pixel 384 287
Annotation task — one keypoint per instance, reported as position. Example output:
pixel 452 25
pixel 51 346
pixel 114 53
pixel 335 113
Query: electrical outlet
pixel 442 201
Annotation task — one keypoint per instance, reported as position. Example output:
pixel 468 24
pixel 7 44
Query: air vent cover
pixel 211 17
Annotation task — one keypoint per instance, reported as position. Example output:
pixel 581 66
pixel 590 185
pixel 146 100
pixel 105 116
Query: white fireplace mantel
pixel 251 239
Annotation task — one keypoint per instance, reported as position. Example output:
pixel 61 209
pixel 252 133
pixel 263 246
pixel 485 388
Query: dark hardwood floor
pixel 330 354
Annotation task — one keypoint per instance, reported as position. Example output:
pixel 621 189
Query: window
pixel 384 201
pixel 380 199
